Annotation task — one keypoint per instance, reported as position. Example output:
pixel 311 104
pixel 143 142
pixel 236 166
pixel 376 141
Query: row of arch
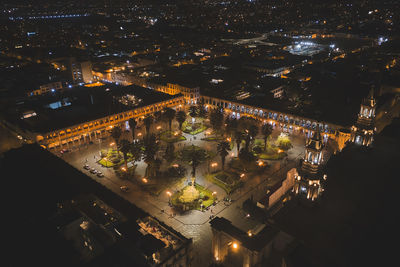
pixel 100 125
pixel 260 113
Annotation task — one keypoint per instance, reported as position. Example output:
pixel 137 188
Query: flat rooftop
pixel 77 105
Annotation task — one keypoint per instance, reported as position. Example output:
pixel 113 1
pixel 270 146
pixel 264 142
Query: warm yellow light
pixel 249 233
pixel 144 180
pixel 260 163
pixel 124 169
pixel 158 127
pixel 235 245
pixel 242 175
pixel 139 134
pixel 214 164
pixel 169 193
pixel 111 144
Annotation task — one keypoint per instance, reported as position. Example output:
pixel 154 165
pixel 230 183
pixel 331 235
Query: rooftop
pixel 77 105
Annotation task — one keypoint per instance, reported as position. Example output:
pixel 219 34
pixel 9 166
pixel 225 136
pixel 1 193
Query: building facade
pixel 46 88
pixel 81 72
pixel 92 130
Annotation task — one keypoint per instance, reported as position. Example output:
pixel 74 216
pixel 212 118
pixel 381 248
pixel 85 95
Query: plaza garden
pixel 169 165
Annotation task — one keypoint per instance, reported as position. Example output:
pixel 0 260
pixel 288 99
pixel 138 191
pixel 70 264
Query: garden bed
pixel 193 129
pixel 184 201
pixel 226 180
pixel 110 158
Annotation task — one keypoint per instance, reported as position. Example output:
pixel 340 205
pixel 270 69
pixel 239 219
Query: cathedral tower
pixel 309 182
pixel 362 133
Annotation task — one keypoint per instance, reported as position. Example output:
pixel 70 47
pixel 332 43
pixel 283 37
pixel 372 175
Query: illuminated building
pixel 362 133
pixel 255 247
pixel 309 181
pixel 81 72
pixel 46 88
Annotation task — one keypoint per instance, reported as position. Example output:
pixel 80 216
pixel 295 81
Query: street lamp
pixel 145 180
pixel 213 165
pixel 169 196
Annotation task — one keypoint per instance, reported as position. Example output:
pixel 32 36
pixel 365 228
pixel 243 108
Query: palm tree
pixel 136 150
pixel 148 121
pixel 116 133
pixel 223 148
pixel 266 131
pixel 157 116
pixel 201 111
pixel 193 111
pixel 169 115
pixel 180 117
pixel 194 156
pixel 132 124
pixel 125 147
pixel 231 126
pixel 238 140
pixel 216 119
pixel 253 132
pixel 150 150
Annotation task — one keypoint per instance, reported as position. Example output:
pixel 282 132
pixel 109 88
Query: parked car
pixel 92 170
pixel 86 167
pixel 124 188
pixel 100 174
pixel 65 150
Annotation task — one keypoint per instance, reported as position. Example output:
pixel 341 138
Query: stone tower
pixel 309 182
pixel 362 133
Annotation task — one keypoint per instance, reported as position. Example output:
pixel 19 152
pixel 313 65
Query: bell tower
pixel 310 178
pixel 362 133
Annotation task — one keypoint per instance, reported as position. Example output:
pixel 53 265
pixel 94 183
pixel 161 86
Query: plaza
pixel 192 223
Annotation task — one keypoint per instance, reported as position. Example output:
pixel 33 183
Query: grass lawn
pixel 226 180
pixel 192 198
pixel 213 138
pixel 275 156
pixel 193 129
pixel 271 153
pixel 170 137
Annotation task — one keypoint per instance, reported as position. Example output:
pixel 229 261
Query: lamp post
pixel 214 165
pixel 169 197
